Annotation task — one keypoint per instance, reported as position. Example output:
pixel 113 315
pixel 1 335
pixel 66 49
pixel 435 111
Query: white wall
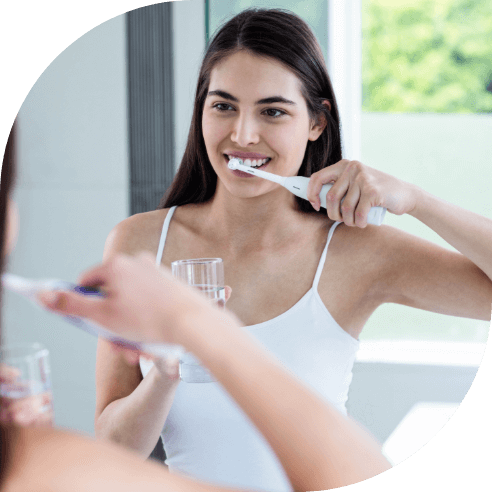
pixel 189 48
pixel 448 155
pixel 72 186
pixel 72 189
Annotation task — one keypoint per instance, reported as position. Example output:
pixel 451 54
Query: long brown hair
pixel 8 173
pixel 282 36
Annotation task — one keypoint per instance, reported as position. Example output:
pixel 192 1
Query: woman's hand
pixel 360 188
pixel 28 410
pixel 167 367
pixel 141 302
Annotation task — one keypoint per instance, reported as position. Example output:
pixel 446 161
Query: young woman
pixel 302 286
pixel 327 450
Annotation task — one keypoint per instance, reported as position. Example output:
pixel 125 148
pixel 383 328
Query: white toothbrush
pixel 298 186
pixel 30 288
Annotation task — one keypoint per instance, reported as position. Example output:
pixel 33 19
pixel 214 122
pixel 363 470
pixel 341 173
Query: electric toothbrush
pixel 298 186
pixel 30 288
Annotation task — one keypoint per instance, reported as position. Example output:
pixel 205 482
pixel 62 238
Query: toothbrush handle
pixel 162 350
pixel 298 185
pixel 374 217
pixel 157 349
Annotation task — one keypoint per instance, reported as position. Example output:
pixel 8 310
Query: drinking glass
pixel 207 275
pixel 25 385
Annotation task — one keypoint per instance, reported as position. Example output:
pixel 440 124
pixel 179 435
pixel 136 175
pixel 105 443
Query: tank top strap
pixel 165 228
pixel 323 256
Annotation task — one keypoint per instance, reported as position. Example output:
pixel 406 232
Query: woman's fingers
pixel 362 211
pixel 349 203
pixel 168 366
pixel 335 196
pixel 344 195
pixel 77 304
pixel 8 374
pixel 70 303
pixel 172 368
pixel 132 356
pixel 122 264
pixel 228 292
pixel 324 176
pixel 101 274
pixel 30 410
pixel 356 189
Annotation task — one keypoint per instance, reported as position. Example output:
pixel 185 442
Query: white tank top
pixel 208 437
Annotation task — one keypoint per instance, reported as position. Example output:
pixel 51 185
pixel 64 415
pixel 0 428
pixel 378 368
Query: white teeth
pixel 252 163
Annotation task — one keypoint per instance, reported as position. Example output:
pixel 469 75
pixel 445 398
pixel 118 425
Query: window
pixel 312 11
pixel 427 119
pixel 427 56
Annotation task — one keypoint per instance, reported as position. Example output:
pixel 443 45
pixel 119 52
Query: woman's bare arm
pixel 48 460
pixel 468 232
pixel 423 275
pixel 417 273
pixel 318 447
pixel 131 410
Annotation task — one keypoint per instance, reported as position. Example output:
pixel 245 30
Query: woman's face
pixel 254 110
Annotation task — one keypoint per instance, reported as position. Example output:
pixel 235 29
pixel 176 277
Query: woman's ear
pixel 319 124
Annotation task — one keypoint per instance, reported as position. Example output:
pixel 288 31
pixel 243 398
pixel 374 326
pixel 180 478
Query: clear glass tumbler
pixel 25 385
pixel 207 275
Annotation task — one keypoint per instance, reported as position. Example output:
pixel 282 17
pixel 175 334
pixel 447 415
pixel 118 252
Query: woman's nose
pixel 245 131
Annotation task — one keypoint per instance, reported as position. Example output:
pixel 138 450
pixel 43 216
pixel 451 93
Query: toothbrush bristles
pixel 234 162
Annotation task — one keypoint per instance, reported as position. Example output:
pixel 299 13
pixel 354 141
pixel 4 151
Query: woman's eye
pixel 222 107
pixel 274 113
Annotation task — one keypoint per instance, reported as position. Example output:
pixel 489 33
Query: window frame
pixel 345 69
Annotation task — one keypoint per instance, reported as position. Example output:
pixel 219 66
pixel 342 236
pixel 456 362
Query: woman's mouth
pixel 256 163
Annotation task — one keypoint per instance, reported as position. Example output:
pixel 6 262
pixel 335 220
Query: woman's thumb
pixel 67 303
pixel 51 299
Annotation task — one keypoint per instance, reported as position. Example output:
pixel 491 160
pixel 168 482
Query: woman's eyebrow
pixel 275 99
pixel 223 95
pixel 266 100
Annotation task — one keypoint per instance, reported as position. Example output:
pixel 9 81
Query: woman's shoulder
pixel 361 244
pixel 381 237
pixel 137 233
pixel 55 456
pixel 379 248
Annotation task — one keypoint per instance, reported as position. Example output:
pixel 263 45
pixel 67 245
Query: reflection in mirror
pixel 99 140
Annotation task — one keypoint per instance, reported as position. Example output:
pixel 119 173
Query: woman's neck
pixel 257 222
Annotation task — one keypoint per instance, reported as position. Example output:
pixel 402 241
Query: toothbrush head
pixel 234 162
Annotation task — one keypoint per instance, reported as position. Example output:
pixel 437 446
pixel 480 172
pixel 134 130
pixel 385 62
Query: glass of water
pixel 25 385
pixel 207 275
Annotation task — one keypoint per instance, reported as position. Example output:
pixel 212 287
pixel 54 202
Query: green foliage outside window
pixel 427 56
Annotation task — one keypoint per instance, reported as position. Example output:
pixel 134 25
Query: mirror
pixel 74 185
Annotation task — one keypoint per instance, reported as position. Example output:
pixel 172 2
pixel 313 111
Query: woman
pixel 327 451
pixel 302 284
